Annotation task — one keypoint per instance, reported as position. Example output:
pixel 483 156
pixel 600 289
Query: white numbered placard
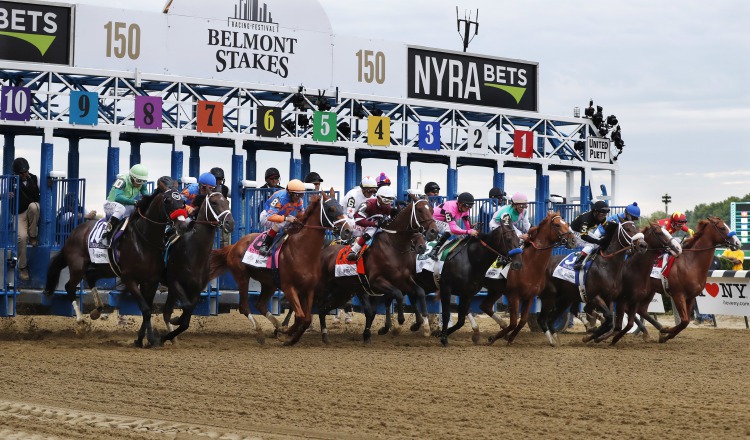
pixel 477 138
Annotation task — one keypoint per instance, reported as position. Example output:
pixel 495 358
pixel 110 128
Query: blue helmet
pixel 633 210
pixel 207 179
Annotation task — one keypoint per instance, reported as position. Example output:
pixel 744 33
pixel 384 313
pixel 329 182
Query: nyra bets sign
pixel 597 150
pixel 34 33
pixel 471 79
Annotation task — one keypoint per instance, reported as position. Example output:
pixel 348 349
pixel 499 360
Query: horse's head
pixel 418 243
pixel 628 234
pixel 417 217
pixel 165 207
pixel 332 216
pixel 722 234
pixel 555 230
pixel 509 243
pixel 215 210
pixel 659 239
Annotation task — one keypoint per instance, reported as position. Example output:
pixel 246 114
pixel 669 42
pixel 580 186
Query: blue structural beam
pixel 402 172
pixel 542 194
pixel 235 188
pixel 135 153
pixel 194 163
pixel 176 159
pixel 498 179
pixel 452 179
pixel 305 170
pixel 251 164
pixel 74 158
pixel 9 152
pixel 113 163
pixel 295 163
pixel 350 176
pixel 46 210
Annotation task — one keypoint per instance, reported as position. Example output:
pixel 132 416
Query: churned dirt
pixel 218 382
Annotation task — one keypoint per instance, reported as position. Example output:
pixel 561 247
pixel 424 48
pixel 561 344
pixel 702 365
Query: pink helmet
pixel 519 198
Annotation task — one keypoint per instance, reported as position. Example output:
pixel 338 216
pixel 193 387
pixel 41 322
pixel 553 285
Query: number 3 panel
pixel 210 117
pixel 148 112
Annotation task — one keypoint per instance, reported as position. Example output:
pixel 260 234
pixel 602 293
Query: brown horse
pixel 522 286
pixel 604 275
pixel 299 264
pixel 141 257
pixel 187 261
pixel 390 264
pixel 688 275
pixel 636 278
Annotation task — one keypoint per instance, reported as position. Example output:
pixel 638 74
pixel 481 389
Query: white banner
pixel 597 150
pixel 369 67
pixel 725 296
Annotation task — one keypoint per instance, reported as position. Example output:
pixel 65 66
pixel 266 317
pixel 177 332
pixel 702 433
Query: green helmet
pixel 139 172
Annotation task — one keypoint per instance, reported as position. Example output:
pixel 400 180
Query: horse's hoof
pixel 435 333
pixel 260 337
pixel 95 314
pixel 175 320
pixel 646 337
pixel 326 340
pixel 395 331
pixel 586 339
pixel 138 343
pixel 383 331
pixel 475 337
pixel 444 341
pixel 401 321
pixel 287 343
pixel 491 340
pixel 663 338
pixel 415 327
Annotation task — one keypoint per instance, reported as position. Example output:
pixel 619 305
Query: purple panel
pixel 148 112
pixel 15 103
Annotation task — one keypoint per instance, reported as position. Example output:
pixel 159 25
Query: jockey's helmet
pixel 207 180
pixel 368 182
pixel 383 180
pixel 386 195
pixel 295 186
pixel 496 193
pixel 218 173
pixel 633 211
pixel 600 206
pixel 466 199
pixel 431 187
pixel 519 198
pixel 678 218
pixel 138 174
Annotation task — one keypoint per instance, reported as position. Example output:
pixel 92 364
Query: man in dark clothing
pixel 272 179
pixel 585 227
pixel 315 179
pixel 219 174
pixel 28 212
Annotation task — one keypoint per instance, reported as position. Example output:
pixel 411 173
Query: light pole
pixel 666 199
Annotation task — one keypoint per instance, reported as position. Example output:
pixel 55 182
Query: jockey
pixel 446 216
pixel 632 214
pixel 122 197
pixel 585 226
pixel 677 225
pixel 516 212
pixel 371 215
pixel 281 209
pixel 359 195
pixel 194 193
pixel 383 180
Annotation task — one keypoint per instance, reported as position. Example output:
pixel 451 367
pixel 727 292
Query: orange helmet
pixel 679 218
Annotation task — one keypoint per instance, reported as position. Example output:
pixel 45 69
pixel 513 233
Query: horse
pixel 604 275
pixel 299 265
pixel 141 257
pixel 523 285
pixel 390 264
pixel 465 267
pixel 688 275
pixel 636 276
pixel 187 261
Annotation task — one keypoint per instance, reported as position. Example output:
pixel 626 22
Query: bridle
pixel 728 234
pixel 629 243
pixel 503 241
pixel 562 237
pixel 218 219
pixel 325 219
pixel 163 208
pixel 413 221
pixel 667 243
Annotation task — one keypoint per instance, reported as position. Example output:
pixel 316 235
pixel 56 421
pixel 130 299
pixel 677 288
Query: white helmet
pixel 386 195
pixel 368 182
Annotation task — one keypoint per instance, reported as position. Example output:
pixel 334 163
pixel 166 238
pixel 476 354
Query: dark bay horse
pixel 390 264
pixel 688 275
pixel 299 264
pixel 187 261
pixel 522 286
pixel 141 257
pixel 604 275
pixel 636 278
pixel 464 270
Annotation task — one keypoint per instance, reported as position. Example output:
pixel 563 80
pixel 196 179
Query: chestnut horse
pixel 299 265
pixel 141 258
pixel 636 278
pixel 688 275
pixel 187 261
pixel 464 270
pixel 522 286
pixel 604 275
pixel 390 264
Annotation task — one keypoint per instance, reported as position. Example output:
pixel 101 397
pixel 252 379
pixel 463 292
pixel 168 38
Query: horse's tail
pixel 217 262
pixel 56 265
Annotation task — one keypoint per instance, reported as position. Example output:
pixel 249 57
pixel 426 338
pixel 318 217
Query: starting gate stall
pixel 192 75
pixel 8 243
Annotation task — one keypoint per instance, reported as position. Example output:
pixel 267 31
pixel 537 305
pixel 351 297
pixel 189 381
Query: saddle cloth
pixel 662 266
pixel 565 272
pixel 97 251
pixel 346 268
pixel 498 271
pixel 426 263
pixel 253 257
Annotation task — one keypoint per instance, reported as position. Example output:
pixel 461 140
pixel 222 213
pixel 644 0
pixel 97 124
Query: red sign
pixel 210 117
pixel 523 144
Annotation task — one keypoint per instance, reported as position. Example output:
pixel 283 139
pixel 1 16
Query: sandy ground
pixel 218 382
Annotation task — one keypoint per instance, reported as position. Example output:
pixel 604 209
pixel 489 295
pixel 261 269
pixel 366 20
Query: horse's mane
pixel 145 201
pixel 609 232
pixel 534 230
pixel 312 203
pixel 699 231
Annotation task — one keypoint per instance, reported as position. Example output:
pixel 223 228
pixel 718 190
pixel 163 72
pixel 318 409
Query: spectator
pixel 488 208
pixel 28 212
pixel 315 179
pixel 67 219
pixel 383 180
pixel 272 179
pixel 432 189
pixel 219 174
pixel 735 257
pixel 164 183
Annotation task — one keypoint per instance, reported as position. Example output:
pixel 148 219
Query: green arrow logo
pixel 515 92
pixel 41 42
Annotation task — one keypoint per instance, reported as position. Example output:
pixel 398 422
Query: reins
pixel 412 219
pixel 559 241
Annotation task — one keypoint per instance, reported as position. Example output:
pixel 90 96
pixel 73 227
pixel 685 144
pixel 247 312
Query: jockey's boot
pixel 354 254
pixel 112 224
pixel 436 249
pixel 265 248
pixel 579 261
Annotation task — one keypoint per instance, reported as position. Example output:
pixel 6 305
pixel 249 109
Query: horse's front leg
pixel 513 305
pixel 136 290
pixel 622 331
pixel 526 308
pixel 682 308
pixel 608 320
pixel 494 292
pixel 302 307
pixel 420 316
pixel 369 311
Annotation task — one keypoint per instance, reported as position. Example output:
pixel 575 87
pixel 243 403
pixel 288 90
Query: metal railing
pixel 69 200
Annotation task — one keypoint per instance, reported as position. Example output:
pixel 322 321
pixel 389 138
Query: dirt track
pixel 219 383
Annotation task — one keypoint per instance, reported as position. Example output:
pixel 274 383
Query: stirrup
pixel 352 256
pixel 264 250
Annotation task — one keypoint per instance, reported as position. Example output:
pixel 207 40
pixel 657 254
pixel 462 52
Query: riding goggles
pixel 138 181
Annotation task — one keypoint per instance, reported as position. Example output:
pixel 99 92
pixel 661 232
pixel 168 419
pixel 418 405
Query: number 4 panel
pixel 148 112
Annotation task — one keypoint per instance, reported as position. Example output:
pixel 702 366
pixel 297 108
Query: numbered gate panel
pixel 84 108
pixel 15 103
